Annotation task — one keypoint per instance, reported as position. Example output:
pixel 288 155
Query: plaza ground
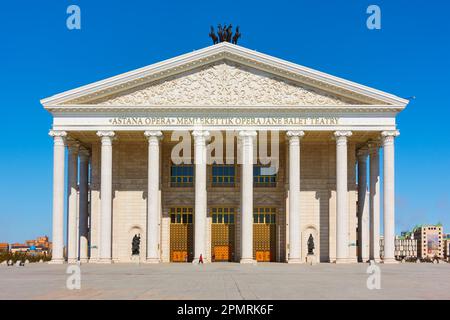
pixel 224 281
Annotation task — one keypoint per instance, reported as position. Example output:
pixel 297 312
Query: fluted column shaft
pixel 58 195
pixel 106 196
pixel 389 195
pixel 246 140
pixel 153 196
pixel 342 252
pixel 363 227
pixel 200 138
pixel 374 211
pixel 72 202
pixel 294 196
pixel 83 204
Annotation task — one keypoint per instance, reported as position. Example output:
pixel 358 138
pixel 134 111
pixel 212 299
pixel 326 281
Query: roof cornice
pixel 326 108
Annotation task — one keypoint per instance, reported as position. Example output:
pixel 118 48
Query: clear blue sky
pixel 39 57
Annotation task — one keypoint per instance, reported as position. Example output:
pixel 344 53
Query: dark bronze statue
pixel 135 244
pixel 310 244
pixel 229 33
pixel 224 33
pixel 236 36
pixel 213 36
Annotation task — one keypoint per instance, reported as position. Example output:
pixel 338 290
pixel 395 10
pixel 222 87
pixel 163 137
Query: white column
pixel 374 211
pixel 72 199
pixel 153 196
pixel 294 196
pixel 363 229
pixel 342 214
pixel 246 140
pixel 106 197
pixel 200 138
pixel 58 195
pixel 83 204
pixel 389 195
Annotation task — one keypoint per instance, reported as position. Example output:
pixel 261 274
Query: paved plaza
pixel 226 281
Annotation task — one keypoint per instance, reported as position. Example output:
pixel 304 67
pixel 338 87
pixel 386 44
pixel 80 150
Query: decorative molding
pixel 87 109
pixel 223 84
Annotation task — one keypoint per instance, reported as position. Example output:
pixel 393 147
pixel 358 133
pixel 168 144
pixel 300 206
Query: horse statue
pixel 229 33
pixel 212 35
pixel 236 36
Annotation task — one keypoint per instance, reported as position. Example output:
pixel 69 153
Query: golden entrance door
pixel 264 234
pixel 222 233
pixel 181 234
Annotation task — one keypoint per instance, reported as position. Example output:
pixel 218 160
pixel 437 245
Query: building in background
pixel 430 241
pixel 4 247
pixel 39 246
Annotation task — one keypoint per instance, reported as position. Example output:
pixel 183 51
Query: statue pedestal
pixel 135 258
pixel 311 259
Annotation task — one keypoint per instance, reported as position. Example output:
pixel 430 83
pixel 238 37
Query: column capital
pixel 84 153
pixel 200 133
pixel 73 146
pixel 344 134
pixel 106 136
pixel 153 134
pixel 295 134
pixel 362 153
pixel 247 133
pixel 388 136
pixel 57 133
pixel 341 137
pixel 373 146
pixel 109 134
pixel 59 137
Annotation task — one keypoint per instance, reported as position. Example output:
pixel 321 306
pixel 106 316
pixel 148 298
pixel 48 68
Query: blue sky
pixel 39 57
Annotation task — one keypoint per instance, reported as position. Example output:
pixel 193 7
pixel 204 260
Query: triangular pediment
pixel 224 75
pixel 223 83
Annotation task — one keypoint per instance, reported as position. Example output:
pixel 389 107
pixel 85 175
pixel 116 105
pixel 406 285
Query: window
pixel 223 175
pixel 181 215
pixel 264 176
pixel 264 215
pixel 182 175
pixel 223 215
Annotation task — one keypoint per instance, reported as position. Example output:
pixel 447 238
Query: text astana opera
pixel 230 121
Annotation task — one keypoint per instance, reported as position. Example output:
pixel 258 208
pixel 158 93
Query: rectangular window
pixel 222 215
pixel 264 176
pixel 223 175
pixel 182 175
pixel 181 215
pixel 264 215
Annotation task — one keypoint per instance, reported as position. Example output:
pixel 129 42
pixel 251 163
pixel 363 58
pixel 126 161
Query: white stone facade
pixel 327 129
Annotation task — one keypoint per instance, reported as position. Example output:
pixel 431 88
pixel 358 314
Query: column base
pixel 378 260
pixel 346 260
pixel 389 261
pixel 84 260
pixel 152 260
pixel 294 261
pixel 72 261
pixel 57 261
pixel 247 261
pixel 105 261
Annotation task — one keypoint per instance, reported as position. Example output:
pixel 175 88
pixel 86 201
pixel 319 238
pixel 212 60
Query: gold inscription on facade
pixel 224 121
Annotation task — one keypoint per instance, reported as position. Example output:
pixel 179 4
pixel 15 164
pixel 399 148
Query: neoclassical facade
pixel 224 153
